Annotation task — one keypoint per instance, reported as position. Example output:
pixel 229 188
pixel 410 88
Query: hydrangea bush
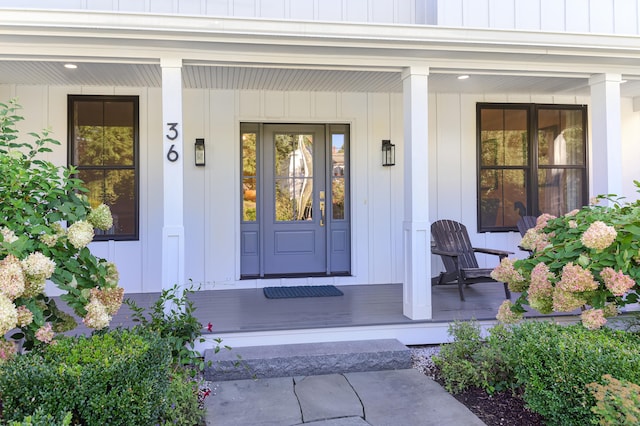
pixel 46 224
pixel 588 259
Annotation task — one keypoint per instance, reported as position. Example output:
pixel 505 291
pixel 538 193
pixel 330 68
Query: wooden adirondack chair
pixel 525 223
pixel 453 245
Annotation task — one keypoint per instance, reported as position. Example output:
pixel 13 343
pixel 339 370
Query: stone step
pixel 306 359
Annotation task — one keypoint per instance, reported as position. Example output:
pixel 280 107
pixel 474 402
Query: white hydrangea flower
pixel 97 316
pixel 80 234
pixel 12 279
pixel 8 235
pixel 34 287
pixel 101 218
pixel 37 266
pixel 8 315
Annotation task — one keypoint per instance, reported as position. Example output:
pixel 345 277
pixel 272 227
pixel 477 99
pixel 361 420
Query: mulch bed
pixel 499 409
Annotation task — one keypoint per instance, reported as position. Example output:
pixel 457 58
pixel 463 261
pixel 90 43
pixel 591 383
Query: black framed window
pixel 532 159
pixel 103 146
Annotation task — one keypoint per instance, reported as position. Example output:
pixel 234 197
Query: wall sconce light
pixel 200 161
pixel 388 153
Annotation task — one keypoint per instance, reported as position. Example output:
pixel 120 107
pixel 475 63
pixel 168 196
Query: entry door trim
pixel 337 230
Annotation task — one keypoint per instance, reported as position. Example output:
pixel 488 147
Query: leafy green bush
pixel 456 360
pixel 172 317
pixel 182 407
pixel 554 364
pixel 471 361
pixel 36 199
pixel 618 401
pixel 120 377
pixel 39 418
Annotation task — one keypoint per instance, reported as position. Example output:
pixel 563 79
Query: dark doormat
pixel 301 291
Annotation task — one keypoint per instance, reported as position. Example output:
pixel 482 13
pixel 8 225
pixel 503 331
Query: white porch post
pixel 606 134
pixel 417 232
pixel 172 172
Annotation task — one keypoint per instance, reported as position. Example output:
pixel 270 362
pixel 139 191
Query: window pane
pixel 88 133
pixel 502 197
pixel 560 190
pixel 284 155
pixel 249 213
pixel 337 198
pixel 294 172
pixel 104 133
pixel 115 188
pixel 118 146
pixel 560 137
pixel 338 172
pixel 503 137
pixel 294 199
pixel 284 201
pixel 249 173
pixel 249 154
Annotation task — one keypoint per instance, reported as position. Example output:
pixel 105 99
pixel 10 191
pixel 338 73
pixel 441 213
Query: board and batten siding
pixel 576 16
pixel 374 11
pixel 212 197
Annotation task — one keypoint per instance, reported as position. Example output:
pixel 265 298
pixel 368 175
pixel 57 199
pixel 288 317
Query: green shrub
pixel 172 317
pixel 555 363
pixel 618 401
pixel 471 361
pixel 456 359
pixel 182 407
pixel 39 418
pixel 119 377
pixel 495 370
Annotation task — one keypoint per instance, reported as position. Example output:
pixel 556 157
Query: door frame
pixel 337 232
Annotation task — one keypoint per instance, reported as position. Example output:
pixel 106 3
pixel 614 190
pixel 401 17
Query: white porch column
pixel 417 231
pixel 606 132
pixel 172 172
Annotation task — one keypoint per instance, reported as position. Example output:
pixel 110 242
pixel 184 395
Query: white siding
pixel 378 11
pixel 212 199
pixel 580 16
pixel 630 149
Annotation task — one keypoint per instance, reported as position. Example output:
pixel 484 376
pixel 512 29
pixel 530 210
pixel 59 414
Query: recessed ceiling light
pixel 70 66
pixel 463 77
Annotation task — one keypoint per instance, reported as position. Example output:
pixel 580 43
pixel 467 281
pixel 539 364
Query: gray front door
pixel 294 198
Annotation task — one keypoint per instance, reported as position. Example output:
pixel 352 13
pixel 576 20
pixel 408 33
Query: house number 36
pixel 172 154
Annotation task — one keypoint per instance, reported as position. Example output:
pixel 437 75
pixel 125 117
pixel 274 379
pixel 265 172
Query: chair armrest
pixel 444 253
pixel 501 253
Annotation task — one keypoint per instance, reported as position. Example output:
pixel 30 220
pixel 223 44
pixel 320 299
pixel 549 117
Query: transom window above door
pixel 532 159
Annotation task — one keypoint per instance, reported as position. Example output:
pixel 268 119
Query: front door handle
pixel 321 213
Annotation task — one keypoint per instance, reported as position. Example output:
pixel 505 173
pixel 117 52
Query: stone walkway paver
pixel 376 398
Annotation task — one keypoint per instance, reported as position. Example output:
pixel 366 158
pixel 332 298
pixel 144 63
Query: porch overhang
pixel 134 43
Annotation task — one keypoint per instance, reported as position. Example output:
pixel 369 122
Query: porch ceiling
pixel 291 79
